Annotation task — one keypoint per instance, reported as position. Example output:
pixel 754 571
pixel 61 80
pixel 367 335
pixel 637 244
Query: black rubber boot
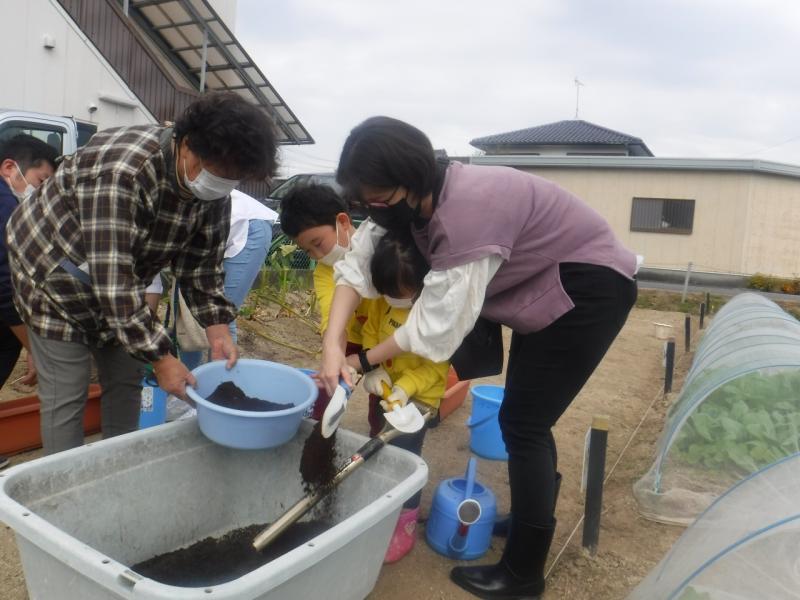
pixel 520 573
pixel 503 522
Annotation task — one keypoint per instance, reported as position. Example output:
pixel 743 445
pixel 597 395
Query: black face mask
pixel 396 216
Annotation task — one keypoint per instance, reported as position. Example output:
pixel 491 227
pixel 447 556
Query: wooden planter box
pixel 19 422
pixel 454 394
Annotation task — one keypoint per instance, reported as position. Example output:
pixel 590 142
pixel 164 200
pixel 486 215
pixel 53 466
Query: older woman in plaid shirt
pixel 131 202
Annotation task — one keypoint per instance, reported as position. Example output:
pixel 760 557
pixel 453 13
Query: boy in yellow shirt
pixel 317 220
pixel 398 270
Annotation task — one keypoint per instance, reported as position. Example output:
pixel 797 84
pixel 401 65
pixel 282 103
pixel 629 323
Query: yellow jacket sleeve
pixel 370 330
pixel 324 287
pixel 425 382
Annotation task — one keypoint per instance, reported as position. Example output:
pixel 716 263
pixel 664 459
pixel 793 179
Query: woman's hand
pixel 334 366
pixel 353 362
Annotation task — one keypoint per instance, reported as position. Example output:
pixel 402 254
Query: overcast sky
pixel 691 78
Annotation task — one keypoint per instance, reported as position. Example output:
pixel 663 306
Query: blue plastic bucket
pixel 485 438
pixel 251 430
pixel 154 404
pixel 310 410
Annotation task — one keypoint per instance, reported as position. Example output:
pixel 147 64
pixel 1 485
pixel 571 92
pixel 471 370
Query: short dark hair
pixel 386 153
pixel 226 130
pixel 398 266
pixel 28 152
pixel 310 205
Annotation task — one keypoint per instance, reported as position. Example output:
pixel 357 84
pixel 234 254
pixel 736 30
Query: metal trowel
pixel 406 419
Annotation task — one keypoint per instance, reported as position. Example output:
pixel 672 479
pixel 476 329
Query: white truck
pixel 65 134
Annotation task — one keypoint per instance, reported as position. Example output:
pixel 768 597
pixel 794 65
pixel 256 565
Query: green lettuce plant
pixel 745 424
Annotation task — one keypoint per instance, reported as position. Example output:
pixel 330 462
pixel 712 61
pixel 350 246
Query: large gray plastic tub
pixel 82 517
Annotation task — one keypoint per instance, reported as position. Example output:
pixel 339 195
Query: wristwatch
pixel 362 358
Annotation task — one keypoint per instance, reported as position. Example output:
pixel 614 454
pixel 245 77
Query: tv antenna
pixel 578 84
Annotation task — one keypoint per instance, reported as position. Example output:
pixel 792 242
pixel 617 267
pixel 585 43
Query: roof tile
pixel 560 132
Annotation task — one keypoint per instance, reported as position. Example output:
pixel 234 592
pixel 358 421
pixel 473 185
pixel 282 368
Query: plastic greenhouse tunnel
pixel 738 411
pixel 744 546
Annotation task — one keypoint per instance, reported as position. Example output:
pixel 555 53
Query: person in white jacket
pixel 249 239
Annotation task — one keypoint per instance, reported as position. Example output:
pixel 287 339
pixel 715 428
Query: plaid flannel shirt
pixel 116 206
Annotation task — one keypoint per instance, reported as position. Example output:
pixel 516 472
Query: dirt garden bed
pixel 624 386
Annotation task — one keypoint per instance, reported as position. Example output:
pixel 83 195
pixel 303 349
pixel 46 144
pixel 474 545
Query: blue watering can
pixel 153 410
pixel 462 517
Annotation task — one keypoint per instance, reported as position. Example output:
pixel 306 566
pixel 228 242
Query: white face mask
pixel 207 186
pixel 399 302
pixel 337 252
pixel 27 192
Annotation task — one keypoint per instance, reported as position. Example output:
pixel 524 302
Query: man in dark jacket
pixel 25 162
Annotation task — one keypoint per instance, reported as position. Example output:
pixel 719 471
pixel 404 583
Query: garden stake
pixel 687 326
pixel 670 365
pixel 708 302
pixel 686 282
pixel 702 314
pixel 598 440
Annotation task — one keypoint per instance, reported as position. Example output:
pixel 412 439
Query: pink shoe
pixel 404 536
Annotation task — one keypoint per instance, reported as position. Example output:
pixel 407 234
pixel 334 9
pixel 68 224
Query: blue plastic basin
pixel 263 379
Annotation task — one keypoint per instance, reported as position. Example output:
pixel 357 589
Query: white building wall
pixel 64 80
pixel 716 243
pixel 772 238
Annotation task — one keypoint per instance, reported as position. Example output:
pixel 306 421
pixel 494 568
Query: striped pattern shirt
pixel 115 209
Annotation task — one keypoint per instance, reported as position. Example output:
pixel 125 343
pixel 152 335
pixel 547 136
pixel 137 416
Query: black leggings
pixel 546 370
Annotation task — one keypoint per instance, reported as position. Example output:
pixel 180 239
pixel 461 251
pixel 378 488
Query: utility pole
pixel 578 84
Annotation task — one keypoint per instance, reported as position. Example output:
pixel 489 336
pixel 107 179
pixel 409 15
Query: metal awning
pixel 201 46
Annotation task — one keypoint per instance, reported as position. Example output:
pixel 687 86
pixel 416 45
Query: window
pixel 51 134
pixel 662 215
pixel 85 132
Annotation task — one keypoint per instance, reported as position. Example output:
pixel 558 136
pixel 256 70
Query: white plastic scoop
pixel 407 418
pixel 335 410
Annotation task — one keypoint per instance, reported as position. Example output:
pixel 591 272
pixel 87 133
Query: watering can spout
pixel 462 516
pixel 469 476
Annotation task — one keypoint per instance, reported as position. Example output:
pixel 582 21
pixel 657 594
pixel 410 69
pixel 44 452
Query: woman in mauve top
pixel 510 248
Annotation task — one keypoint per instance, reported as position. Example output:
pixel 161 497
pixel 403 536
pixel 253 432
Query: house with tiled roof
pixel 727 217
pixel 564 138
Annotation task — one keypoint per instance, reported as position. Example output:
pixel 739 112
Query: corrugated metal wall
pixel 114 35
pixel 110 31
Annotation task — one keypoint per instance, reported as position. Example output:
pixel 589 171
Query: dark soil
pixel 213 561
pixel 229 395
pixel 318 467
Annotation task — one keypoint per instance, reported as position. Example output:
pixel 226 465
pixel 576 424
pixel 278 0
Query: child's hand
pixel 398 398
pixel 373 379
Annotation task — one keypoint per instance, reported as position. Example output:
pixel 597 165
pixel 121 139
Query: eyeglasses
pixel 381 203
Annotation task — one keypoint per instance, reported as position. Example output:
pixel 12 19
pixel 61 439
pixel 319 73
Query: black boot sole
pixel 458 576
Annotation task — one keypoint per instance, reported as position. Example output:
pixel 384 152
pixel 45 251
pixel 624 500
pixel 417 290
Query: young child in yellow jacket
pixel 317 220
pixel 398 270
